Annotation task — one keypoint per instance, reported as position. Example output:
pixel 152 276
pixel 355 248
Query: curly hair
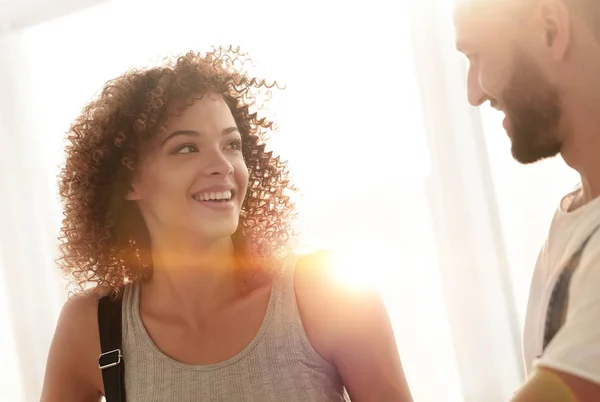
pixel 103 238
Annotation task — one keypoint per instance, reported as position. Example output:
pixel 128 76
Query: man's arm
pixel 548 385
pixel 350 328
pixel 569 369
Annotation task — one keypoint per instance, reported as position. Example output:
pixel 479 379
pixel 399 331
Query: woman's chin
pixel 216 230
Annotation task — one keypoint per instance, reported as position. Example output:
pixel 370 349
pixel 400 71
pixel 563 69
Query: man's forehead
pixel 470 11
pixel 473 18
pixel 488 4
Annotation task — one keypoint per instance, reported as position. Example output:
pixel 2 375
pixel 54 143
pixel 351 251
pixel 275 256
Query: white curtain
pixel 390 158
pixel 491 214
pixel 477 286
pixel 29 285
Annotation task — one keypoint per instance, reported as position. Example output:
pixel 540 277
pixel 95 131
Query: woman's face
pixel 193 180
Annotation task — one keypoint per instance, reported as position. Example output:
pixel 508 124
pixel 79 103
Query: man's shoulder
pixel 573 226
pixel 588 271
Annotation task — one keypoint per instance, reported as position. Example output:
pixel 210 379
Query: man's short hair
pixel 590 10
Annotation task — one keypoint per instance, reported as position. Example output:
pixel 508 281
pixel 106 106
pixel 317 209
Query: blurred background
pixel 416 189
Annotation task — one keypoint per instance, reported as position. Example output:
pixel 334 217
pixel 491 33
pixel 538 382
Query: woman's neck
pixel 192 280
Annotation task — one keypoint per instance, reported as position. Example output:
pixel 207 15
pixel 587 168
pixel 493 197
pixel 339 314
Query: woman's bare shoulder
pixel 82 300
pixel 80 312
pixel 72 371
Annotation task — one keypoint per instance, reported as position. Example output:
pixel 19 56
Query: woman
pixel 173 206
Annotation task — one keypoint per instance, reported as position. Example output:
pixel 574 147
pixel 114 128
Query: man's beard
pixel 532 107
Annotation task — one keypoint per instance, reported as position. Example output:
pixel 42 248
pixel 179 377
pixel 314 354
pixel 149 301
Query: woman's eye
pixel 235 145
pixel 186 149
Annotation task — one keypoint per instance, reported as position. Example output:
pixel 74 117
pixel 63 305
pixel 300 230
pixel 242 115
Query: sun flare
pixel 362 264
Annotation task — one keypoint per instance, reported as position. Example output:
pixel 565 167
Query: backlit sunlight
pixel 360 165
pixel 362 263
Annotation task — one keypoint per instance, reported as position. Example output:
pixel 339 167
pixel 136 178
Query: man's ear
pixel 555 21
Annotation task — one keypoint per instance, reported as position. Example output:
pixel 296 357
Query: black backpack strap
pixel 556 314
pixel 110 361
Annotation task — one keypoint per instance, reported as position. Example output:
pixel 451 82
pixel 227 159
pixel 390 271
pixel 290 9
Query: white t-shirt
pixel 575 349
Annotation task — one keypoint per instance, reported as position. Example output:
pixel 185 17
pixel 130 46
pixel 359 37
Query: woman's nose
pixel 219 165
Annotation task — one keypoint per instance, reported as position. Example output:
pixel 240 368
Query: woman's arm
pixel 72 373
pixel 351 329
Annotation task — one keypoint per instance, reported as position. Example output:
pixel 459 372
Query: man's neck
pixel 581 147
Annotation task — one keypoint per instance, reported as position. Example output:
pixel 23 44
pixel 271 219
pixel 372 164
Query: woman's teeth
pixel 213 196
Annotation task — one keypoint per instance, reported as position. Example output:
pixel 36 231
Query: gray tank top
pixel 279 364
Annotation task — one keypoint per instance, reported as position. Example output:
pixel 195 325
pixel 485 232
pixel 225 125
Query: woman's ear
pixel 132 194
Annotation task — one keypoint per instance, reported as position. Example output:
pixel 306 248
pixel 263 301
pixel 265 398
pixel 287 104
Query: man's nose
pixel 475 94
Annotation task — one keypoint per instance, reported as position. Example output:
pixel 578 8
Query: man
pixel 538 61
